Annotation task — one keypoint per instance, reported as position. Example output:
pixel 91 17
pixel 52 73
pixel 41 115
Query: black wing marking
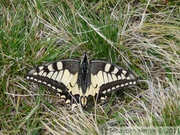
pixel 107 77
pixel 75 80
pixel 60 77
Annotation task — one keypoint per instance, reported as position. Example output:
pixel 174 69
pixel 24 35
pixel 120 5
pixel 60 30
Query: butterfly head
pixel 85 58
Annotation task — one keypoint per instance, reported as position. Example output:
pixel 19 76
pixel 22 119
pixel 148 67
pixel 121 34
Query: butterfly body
pixel 76 80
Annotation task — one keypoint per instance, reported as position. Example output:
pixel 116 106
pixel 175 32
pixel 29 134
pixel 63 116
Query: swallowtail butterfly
pixel 76 80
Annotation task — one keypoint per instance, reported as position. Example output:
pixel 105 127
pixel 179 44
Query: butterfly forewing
pixel 58 76
pixel 109 77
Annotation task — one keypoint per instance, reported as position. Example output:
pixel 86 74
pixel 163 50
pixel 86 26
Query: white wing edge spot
pixel 58 94
pixel 35 73
pixel 53 87
pixel 63 96
pixel 59 90
pixel 108 90
pixel 68 101
pixel 126 84
pixel 50 68
pixel 107 67
pixel 102 98
pixel 132 76
pixel 104 92
pixel 124 72
pixel 41 67
pixel 44 82
pixel 128 78
pixel 59 65
pixel 39 81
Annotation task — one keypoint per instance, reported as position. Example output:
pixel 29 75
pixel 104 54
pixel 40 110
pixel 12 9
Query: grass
pixel 141 36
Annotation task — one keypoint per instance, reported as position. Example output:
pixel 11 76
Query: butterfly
pixel 76 80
